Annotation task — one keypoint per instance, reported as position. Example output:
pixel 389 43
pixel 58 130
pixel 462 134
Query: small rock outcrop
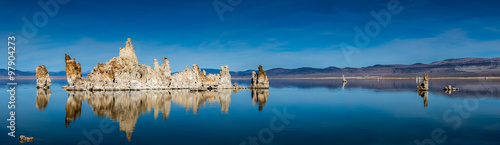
pixel 448 89
pixel 24 139
pixel 42 77
pixel 425 85
pixel 259 80
pixel 235 86
pixel 126 73
pixel 194 78
pixel 73 72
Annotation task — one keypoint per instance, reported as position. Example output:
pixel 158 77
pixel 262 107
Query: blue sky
pixel 274 33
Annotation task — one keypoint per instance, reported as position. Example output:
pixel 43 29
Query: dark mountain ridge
pixel 461 67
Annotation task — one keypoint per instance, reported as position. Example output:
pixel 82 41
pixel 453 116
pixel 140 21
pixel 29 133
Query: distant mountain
pixel 461 67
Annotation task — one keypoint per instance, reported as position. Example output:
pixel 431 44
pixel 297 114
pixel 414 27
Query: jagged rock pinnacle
pixel 42 77
pixel 259 80
pixel 126 73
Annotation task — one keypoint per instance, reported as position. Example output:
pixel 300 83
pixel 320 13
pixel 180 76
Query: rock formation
pixel 259 80
pixel 73 73
pixel 425 85
pixel 24 139
pixel 448 89
pixel 42 77
pixel 126 73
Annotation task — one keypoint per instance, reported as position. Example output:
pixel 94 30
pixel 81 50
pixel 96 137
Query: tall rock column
pixel 73 71
pixel 165 67
pixel 425 85
pixel 42 77
pixel 128 52
pixel 259 80
pixel 225 77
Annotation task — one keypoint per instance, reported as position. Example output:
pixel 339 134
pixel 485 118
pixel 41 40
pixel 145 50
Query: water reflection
pixel 450 91
pixel 260 96
pixel 425 96
pixel 468 87
pixel 126 107
pixel 42 98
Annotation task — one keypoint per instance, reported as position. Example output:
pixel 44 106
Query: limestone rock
pixel 236 87
pixel 73 72
pixel 259 80
pixel 225 77
pixel 24 139
pixel 126 73
pixel 425 85
pixel 42 77
pixel 195 79
pixel 448 89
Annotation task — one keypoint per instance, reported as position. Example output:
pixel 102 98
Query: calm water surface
pixel 317 112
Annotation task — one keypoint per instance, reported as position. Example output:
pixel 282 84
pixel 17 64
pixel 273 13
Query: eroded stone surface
pixel 448 89
pixel 42 77
pixel 425 85
pixel 23 139
pixel 259 80
pixel 73 72
pixel 126 73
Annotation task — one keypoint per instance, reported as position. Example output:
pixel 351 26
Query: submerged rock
pixel 126 73
pixel 259 80
pixel 24 139
pixel 425 85
pixel 42 77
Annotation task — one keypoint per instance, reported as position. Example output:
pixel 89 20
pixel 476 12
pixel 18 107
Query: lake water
pixel 300 112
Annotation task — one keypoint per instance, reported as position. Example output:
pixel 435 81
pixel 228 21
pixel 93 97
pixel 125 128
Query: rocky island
pixel 259 80
pixel 126 73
